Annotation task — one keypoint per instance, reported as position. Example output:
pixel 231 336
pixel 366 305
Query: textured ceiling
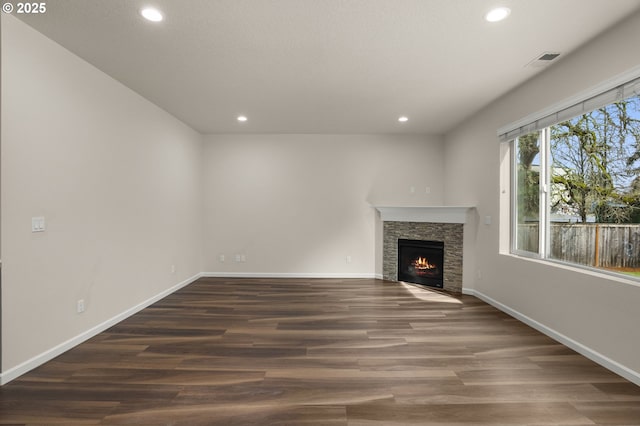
pixel 323 66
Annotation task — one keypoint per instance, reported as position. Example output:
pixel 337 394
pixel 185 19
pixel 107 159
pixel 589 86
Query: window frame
pixel 543 199
pixel 544 213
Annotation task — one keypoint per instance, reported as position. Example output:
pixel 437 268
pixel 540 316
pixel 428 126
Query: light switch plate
pixel 37 224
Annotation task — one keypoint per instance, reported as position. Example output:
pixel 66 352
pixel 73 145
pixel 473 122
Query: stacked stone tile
pixel 449 233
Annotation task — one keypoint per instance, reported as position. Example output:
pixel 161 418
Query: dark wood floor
pixel 321 352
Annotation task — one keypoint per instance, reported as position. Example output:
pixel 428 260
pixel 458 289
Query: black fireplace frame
pixel 405 245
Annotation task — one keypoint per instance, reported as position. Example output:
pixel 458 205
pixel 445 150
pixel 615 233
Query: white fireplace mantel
pixel 435 214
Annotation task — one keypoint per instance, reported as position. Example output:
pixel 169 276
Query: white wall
pixel 591 309
pixel 300 204
pixel 118 180
pixel 123 189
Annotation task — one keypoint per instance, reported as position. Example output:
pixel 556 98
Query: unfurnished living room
pixel 320 212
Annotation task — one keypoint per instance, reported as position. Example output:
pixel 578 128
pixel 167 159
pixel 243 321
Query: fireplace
pixel 444 224
pixel 421 262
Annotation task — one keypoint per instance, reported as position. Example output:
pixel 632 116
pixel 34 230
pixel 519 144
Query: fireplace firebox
pixel 421 262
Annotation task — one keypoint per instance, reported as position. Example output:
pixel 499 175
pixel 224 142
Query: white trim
pixel 48 355
pixel 593 355
pixel 596 90
pixel 574 267
pixel 435 214
pixel 469 291
pixel 344 275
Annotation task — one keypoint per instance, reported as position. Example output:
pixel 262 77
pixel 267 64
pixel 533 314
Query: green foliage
pixel 528 179
pixel 594 158
pixel 528 149
pixel 528 194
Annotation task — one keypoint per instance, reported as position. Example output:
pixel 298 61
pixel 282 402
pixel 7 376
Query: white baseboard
pixel 48 355
pixel 470 292
pixel 36 361
pixel 343 275
pixel 616 367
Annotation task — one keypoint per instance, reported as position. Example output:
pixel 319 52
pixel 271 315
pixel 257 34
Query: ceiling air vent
pixel 543 60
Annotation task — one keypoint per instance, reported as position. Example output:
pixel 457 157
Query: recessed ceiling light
pixel 403 119
pixel 151 14
pixel 242 118
pixel 497 14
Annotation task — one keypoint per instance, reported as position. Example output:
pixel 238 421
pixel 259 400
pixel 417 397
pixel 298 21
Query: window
pixel 576 183
pixel 527 190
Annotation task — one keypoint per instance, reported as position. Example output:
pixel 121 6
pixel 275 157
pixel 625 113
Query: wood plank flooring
pixel 319 352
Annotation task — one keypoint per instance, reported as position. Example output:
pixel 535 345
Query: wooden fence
pixel 600 245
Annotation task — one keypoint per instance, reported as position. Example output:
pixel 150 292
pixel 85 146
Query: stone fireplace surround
pixel 444 224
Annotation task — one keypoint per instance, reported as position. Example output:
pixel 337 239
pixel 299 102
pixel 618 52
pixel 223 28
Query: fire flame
pixel 423 263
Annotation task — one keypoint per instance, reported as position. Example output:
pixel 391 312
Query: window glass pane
pixel 595 188
pixel 527 159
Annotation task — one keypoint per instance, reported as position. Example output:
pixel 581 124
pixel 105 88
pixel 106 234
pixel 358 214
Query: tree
pixel 528 177
pixel 593 157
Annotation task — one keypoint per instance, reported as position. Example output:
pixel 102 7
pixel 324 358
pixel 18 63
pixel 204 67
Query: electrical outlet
pixel 238 258
pixel 348 259
pixel 80 306
pixel 173 269
pixel 221 258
